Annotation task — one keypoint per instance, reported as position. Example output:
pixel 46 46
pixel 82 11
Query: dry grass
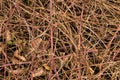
pixel 59 39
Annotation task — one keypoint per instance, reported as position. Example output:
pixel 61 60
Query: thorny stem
pixel 80 40
pixel 51 39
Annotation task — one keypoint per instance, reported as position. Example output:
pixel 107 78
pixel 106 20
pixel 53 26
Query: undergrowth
pixel 59 39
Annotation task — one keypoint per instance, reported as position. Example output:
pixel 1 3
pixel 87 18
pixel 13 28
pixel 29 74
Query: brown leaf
pixel 39 72
pixel 8 35
pixel 17 71
pixel 16 53
pixel 1 47
pixel 46 67
pixel 14 60
pixel 91 70
pixel 35 43
pixel 18 56
pixel 60 0
pixel 1 1
pixel 21 58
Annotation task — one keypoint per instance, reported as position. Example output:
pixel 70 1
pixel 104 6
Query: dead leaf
pixel 1 1
pixel 0 29
pixel 8 35
pixel 46 67
pixel 35 43
pixel 39 72
pixel 1 47
pixel 91 70
pixel 22 58
pixel 14 60
pixel 17 71
pixel 16 53
pixel 60 0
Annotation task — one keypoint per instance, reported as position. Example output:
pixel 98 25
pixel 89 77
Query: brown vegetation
pixel 59 39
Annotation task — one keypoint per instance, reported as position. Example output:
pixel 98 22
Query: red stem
pixel 51 39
